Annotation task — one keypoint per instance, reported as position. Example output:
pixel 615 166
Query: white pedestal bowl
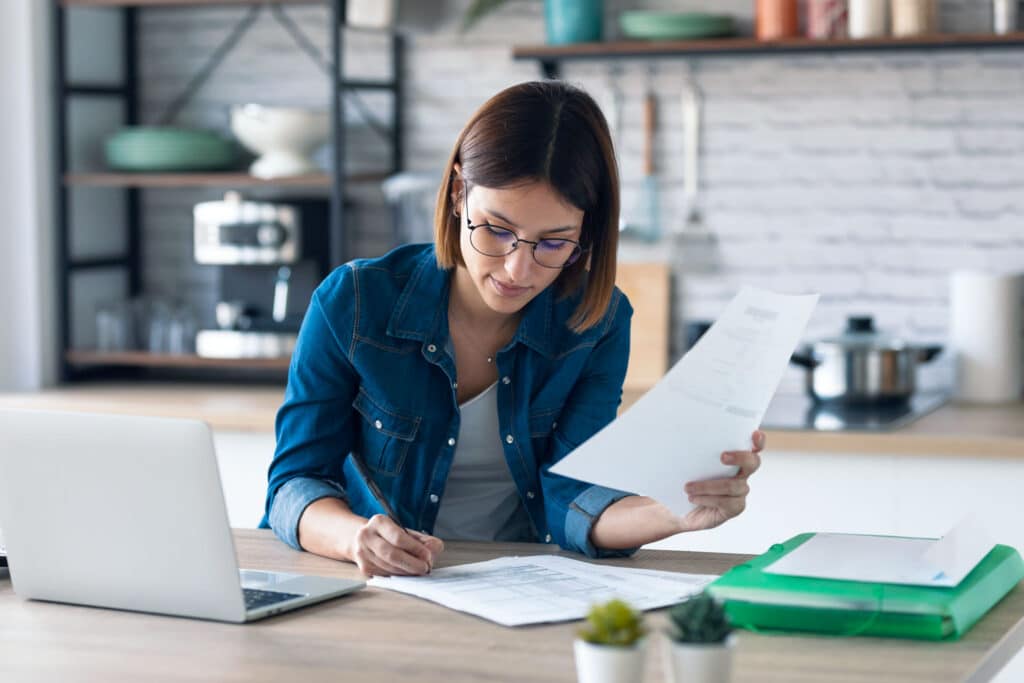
pixel 284 137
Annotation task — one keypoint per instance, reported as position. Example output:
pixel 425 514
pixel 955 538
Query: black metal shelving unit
pixel 76 363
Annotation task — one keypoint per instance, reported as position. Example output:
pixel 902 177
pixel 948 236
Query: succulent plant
pixel 701 619
pixel 477 10
pixel 613 623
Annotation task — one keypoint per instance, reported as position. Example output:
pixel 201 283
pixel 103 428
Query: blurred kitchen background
pixel 783 161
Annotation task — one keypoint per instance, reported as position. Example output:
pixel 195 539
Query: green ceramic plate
pixel 645 25
pixel 146 148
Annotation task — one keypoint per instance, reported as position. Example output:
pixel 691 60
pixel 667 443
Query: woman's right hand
pixel 382 548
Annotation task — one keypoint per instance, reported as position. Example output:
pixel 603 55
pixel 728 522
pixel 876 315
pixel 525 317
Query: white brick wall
pixel 865 177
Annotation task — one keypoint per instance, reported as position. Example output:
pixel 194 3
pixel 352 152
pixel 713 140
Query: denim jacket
pixel 374 372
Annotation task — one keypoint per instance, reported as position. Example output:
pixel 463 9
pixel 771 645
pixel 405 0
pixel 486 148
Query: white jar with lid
pixel 868 18
pixel 1004 16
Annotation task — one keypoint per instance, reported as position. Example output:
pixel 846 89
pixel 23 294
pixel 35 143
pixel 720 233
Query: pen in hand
pixel 375 491
pixel 426 543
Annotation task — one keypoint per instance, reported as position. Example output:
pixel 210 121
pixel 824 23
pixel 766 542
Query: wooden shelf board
pixel 157 360
pixel 232 179
pixel 172 3
pixel 741 45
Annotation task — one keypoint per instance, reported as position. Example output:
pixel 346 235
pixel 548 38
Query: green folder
pixel 757 600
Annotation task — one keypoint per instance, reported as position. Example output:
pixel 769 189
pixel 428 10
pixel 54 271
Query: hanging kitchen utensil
pixel 616 99
pixel 652 229
pixel 696 245
pixel 647 226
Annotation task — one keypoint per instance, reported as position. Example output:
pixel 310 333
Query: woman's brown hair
pixel 552 132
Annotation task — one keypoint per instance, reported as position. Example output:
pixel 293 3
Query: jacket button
pixel 547 539
pixel 530 495
pixel 509 439
pixel 378 424
pixel 451 442
pixel 506 380
pixel 431 348
pixel 433 498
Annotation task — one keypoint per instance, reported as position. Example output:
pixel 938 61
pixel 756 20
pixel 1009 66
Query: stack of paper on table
pixel 515 591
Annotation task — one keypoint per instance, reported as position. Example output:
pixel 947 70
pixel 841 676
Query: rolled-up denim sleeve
pixel 573 506
pixel 314 426
pixel 291 501
pixel 583 512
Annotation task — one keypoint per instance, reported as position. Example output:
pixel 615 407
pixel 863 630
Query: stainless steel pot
pixel 862 366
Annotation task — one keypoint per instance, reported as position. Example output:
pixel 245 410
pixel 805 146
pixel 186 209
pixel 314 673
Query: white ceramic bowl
pixel 284 137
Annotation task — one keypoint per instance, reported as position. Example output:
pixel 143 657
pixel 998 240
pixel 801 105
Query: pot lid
pixel 860 333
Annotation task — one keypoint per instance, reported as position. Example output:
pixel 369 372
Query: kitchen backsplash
pixel 865 177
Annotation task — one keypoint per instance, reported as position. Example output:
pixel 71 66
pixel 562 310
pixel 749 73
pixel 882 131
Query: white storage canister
pixel 867 18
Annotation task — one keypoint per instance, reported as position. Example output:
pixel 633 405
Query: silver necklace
pixel 454 324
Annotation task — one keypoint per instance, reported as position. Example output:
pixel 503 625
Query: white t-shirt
pixel 481 501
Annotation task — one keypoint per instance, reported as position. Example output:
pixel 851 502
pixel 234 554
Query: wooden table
pixel 376 635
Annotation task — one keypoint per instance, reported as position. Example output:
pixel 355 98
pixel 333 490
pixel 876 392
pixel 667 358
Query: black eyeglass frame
pixel 574 258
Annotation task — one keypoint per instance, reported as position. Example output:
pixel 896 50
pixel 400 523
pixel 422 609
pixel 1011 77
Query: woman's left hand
pixel 719 500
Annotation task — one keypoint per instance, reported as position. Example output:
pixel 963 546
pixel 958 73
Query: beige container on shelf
pixel 985 335
pixel 913 17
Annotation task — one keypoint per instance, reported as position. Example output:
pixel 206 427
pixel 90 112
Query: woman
pixel 453 375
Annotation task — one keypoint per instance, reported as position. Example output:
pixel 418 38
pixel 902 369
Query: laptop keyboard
pixel 254 599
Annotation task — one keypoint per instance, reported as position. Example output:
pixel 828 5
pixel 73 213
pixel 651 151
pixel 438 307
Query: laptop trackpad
pixel 303 584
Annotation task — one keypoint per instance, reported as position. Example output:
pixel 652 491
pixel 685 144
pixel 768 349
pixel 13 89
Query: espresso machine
pixel 269 257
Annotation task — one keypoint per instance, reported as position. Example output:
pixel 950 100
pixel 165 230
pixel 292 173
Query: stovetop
pixel 798 411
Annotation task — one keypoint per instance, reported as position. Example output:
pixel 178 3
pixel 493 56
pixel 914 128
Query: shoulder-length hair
pixel 552 132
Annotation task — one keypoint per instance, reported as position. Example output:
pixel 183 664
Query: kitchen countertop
pixel 952 430
pixel 247 408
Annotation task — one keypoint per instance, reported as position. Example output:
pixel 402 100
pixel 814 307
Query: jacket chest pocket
pixel 386 435
pixel 543 422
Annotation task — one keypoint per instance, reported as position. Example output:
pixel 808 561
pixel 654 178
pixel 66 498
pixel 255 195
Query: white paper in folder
pixel 709 402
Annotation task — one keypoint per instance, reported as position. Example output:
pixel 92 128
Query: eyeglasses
pixel 494 240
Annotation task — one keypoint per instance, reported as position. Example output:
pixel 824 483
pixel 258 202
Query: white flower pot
pixel 373 14
pixel 608 663
pixel 698 662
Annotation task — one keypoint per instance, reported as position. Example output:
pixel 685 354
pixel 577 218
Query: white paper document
pixel 711 401
pixel 890 559
pixel 515 591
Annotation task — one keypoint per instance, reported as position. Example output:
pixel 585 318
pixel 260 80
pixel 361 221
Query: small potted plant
pixel 610 646
pixel 700 644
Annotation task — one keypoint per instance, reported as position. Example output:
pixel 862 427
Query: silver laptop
pixel 128 513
